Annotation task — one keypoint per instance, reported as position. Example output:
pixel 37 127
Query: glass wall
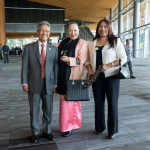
pixel 115 27
pixel 145 32
pixel 144 26
pixel 15 44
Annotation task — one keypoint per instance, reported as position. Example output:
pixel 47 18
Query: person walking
pixel 129 62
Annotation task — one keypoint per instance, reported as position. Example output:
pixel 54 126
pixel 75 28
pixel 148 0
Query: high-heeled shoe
pixel 67 133
pixel 111 136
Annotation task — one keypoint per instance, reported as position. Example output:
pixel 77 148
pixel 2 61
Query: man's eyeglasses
pixel 44 31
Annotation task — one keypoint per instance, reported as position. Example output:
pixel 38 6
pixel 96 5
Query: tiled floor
pixel 134 115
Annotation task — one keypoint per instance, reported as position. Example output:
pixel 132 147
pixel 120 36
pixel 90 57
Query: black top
pixel 99 56
pixel 99 60
pixel 5 48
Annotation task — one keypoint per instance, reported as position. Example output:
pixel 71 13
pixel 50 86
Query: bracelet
pixel 112 64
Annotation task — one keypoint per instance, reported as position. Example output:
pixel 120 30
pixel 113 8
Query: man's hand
pixel 25 88
pixel 55 86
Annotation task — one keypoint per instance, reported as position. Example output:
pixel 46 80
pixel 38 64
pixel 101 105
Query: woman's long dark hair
pixel 112 39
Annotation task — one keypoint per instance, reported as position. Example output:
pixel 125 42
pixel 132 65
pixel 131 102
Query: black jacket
pixel 5 48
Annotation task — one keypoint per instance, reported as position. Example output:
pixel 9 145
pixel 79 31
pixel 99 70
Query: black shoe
pixel 133 77
pixel 49 136
pixel 66 134
pixel 111 136
pixel 35 138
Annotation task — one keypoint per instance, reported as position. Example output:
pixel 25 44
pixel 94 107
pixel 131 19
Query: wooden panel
pixel 89 10
pixel 2 23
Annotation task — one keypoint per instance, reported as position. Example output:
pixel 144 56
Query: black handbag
pixel 75 92
pixel 123 73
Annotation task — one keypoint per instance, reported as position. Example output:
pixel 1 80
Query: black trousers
pixel 6 58
pixel 109 87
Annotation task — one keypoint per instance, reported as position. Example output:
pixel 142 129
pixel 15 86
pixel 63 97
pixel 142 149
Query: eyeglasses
pixel 44 31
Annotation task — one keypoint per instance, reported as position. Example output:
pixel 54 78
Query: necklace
pixel 103 38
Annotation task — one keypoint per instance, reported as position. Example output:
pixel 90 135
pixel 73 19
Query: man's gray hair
pixel 43 23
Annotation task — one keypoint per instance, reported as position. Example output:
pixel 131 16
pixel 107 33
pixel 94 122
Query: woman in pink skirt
pixel 72 53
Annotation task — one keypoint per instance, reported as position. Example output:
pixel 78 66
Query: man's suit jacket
pixel 31 68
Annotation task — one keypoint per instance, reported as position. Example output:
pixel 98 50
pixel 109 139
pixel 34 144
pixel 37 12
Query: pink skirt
pixel 69 115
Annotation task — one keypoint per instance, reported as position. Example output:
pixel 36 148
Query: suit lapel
pixel 36 49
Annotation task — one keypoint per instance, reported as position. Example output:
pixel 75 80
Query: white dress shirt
pixel 40 47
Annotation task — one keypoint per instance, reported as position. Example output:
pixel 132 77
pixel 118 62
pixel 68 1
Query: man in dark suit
pixel 5 50
pixel 128 53
pixel 39 79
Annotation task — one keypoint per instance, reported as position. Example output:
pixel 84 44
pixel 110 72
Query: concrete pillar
pixel 2 23
pixel 120 18
pixel 136 23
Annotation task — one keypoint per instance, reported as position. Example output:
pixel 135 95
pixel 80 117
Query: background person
pixel 128 53
pixel 106 50
pixel 39 75
pixel 72 55
pixel 6 50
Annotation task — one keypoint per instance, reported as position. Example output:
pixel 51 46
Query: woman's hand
pixel 64 58
pixel 90 72
pixel 88 75
pixel 106 66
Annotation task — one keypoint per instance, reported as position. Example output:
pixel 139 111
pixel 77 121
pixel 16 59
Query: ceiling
pixel 83 10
